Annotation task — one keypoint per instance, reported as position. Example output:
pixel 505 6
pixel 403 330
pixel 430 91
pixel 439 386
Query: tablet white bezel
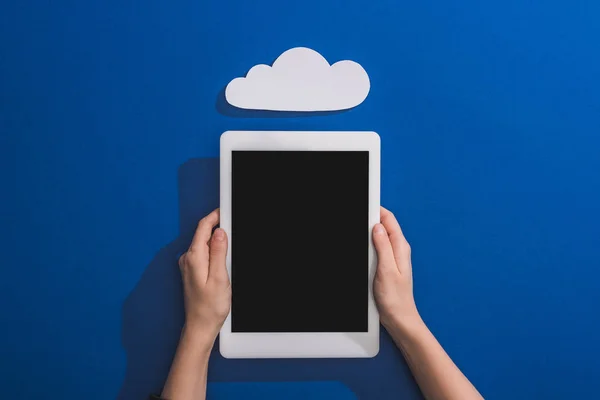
pixel 302 345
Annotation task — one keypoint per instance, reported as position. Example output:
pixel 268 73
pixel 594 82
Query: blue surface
pixel 280 390
pixel 109 123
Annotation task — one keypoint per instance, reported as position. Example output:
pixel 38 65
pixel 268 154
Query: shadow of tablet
pixel 152 318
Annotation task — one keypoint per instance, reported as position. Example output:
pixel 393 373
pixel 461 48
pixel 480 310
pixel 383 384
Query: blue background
pixel 489 117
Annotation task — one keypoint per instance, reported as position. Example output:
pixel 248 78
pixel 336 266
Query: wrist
pixel 198 337
pixel 403 328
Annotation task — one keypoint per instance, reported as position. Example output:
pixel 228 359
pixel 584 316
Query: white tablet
pixel 299 208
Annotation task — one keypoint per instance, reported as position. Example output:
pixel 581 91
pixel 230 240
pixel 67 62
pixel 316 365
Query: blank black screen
pixel 300 241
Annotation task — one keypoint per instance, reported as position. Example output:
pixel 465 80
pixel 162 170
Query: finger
pixel 390 222
pixel 204 231
pixel 181 261
pixel 218 257
pixel 385 254
pixel 399 244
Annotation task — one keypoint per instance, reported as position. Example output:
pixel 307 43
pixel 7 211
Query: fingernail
pixel 379 229
pixel 219 234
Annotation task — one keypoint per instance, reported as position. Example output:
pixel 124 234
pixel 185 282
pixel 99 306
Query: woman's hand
pixel 393 283
pixel 437 375
pixel 207 297
pixel 206 287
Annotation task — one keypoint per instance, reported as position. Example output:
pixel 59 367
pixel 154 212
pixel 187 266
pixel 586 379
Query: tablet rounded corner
pixel 373 351
pixel 225 352
pixel 374 136
pixel 225 136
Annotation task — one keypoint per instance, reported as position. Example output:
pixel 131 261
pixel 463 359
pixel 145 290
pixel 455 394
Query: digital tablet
pixel 298 209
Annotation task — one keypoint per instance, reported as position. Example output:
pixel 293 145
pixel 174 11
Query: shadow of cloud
pixel 226 109
pixel 153 313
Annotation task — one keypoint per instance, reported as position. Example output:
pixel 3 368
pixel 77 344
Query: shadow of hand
pixel 153 313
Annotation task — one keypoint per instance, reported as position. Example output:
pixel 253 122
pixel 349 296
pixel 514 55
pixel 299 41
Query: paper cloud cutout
pixel 300 80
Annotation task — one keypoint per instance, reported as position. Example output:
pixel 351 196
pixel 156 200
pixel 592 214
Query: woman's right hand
pixel 437 375
pixel 393 283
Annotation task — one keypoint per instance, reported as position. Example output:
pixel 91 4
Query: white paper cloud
pixel 300 80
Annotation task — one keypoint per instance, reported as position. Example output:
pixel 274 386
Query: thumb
pixel 385 253
pixel 217 269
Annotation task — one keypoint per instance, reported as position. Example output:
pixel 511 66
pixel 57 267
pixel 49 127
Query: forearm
pixel 436 374
pixel 187 377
